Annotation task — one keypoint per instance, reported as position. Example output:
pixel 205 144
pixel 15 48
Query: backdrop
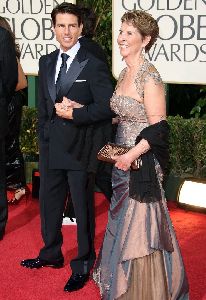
pixel 30 20
pixel 180 53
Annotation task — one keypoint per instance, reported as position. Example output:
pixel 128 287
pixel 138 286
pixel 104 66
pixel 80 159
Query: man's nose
pixel 67 30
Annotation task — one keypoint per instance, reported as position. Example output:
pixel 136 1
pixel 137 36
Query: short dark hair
pixel 66 8
pixel 89 21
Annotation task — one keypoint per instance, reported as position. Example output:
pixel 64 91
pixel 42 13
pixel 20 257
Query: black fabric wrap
pixel 144 185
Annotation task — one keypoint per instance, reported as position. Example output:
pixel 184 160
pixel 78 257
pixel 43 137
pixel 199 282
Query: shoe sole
pixel 55 267
pixel 49 266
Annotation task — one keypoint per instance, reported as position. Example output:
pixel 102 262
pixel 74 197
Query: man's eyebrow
pixel 62 23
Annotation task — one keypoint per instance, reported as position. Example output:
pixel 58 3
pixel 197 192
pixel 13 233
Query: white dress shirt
pixel 72 53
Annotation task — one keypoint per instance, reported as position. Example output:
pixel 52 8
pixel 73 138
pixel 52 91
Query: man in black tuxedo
pixel 69 141
pixel 8 81
pixel 104 170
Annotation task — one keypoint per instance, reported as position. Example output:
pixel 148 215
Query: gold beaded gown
pixel 140 258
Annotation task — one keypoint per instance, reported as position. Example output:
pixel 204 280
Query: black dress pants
pixel 53 191
pixel 102 179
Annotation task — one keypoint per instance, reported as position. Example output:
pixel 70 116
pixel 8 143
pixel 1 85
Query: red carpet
pixel 23 240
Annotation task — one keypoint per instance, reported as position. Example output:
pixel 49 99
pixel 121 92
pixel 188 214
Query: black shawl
pixel 144 185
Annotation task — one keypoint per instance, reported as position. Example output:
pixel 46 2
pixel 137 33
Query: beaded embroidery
pixel 146 71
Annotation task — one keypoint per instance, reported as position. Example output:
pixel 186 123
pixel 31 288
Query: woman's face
pixel 130 41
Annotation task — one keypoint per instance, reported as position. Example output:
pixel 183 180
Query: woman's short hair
pixel 144 23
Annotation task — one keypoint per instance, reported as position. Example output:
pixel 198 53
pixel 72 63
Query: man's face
pixel 67 30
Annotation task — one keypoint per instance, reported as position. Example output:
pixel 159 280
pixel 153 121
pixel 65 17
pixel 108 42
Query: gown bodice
pixel 131 112
pixel 132 118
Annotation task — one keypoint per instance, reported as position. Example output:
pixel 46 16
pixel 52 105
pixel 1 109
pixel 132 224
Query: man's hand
pixel 64 109
pixel 69 103
pixel 65 113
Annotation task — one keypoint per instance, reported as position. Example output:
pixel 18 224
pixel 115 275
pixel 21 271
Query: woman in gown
pixel 140 258
pixel 15 175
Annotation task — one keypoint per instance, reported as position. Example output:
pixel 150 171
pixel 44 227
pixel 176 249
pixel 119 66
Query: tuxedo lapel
pixel 73 72
pixel 51 65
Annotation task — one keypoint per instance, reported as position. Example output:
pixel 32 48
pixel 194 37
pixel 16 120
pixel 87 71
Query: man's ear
pixel 80 29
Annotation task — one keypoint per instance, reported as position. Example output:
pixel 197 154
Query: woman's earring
pixel 143 52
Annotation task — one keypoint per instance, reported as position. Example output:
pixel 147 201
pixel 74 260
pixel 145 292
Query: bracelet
pixel 144 146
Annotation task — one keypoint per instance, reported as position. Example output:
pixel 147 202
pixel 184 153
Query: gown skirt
pixel 140 257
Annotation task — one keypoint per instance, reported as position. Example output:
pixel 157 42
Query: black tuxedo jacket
pixel 8 77
pixel 73 144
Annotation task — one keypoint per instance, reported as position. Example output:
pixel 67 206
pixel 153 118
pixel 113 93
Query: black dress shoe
pixel 37 263
pixel 76 282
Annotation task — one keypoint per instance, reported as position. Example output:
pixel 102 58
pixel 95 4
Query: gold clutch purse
pixel 111 149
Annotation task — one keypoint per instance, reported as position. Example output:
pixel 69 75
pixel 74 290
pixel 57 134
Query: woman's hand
pixel 123 162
